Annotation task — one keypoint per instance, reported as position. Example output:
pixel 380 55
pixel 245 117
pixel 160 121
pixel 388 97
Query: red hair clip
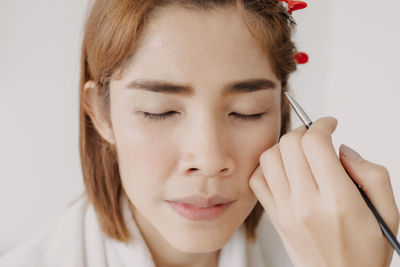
pixel 301 57
pixel 291 6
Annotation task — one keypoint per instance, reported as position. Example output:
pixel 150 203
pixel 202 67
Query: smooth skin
pixel 317 210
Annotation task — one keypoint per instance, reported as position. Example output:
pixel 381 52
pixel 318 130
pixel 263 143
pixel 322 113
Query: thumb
pixel 374 180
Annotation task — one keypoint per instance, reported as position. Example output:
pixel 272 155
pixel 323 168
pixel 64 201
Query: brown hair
pixel 111 36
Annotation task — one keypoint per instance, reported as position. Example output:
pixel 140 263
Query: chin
pixel 204 240
pixel 200 236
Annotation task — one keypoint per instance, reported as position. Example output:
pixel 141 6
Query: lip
pixel 197 207
pixel 201 201
pixel 199 214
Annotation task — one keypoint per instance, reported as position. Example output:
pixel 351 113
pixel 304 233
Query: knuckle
pixel 312 139
pixel 267 154
pixel 263 156
pixel 253 182
pixel 290 138
pixel 380 175
pixel 383 171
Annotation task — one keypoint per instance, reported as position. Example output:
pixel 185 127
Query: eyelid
pixel 157 116
pixel 163 116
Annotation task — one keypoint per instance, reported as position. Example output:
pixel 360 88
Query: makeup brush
pixel 385 229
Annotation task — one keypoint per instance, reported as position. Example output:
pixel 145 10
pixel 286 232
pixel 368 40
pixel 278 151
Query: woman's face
pixel 203 147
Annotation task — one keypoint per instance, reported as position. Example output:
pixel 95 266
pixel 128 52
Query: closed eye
pixel 249 117
pixel 163 116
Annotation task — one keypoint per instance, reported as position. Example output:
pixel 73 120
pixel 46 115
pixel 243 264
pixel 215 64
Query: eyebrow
pixel 233 88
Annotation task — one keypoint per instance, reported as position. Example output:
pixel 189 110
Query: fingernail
pixel 350 153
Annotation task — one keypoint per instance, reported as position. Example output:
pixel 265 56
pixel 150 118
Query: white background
pixel 352 75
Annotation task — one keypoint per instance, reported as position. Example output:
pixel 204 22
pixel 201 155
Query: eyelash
pixel 163 116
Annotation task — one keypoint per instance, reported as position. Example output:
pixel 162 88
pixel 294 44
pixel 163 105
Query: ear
pixel 94 106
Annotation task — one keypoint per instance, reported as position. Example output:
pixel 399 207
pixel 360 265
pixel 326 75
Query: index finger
pixel 322 158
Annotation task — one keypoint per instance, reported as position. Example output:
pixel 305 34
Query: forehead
pixel 200 48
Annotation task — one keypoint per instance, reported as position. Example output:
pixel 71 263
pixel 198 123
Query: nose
pixel 206 150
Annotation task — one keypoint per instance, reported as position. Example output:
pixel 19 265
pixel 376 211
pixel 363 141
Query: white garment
pixel 74 239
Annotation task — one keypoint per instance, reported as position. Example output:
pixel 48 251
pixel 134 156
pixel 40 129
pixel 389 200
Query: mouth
pixel 199 214
pixel 197 207
pixel 201 201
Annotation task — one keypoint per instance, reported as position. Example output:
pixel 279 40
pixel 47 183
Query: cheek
pixel 249 144
pixel 252 143
pixel 142 161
